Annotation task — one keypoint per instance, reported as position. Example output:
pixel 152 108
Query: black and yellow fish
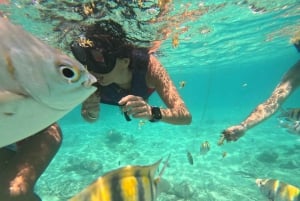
pixel 290 114
pixel 291 126
pixel 129 183
pixel 274 189
pixel 204 148
pixel 175 40
pixel 182 84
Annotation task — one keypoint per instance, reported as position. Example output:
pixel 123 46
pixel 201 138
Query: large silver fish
pixel 38 84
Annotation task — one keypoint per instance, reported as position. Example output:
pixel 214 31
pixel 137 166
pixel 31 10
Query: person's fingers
pixel 221 140
pixel 128 99
pixel 89 116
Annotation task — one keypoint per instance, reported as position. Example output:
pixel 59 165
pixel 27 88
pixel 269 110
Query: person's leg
pixel 19 171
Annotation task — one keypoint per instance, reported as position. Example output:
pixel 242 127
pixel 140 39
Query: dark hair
pixel 109 37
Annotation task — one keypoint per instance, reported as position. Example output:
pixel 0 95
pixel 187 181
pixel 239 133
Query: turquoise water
pixel 227 71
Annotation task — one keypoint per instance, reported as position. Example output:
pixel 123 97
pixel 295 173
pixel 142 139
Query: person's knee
pixel 54 131
pixel 30 196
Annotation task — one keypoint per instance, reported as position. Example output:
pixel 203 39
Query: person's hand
pixel 90 108
pixel 136 106
pixel 232 133
pixel 89 116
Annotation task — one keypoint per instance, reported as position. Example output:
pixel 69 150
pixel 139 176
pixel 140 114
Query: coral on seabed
pixel 114 136
pixel 267 156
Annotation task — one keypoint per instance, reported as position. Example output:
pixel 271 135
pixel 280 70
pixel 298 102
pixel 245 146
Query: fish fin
pixel 164 167
pixel 6 96
pixel 130 170
pixel 163 185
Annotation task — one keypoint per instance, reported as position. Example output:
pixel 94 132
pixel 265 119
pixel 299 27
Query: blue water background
pixel 227 73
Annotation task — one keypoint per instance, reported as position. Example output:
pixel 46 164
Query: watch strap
pixel 156 114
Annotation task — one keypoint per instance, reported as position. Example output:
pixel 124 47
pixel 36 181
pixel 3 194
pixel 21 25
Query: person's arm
pixel 90 108
pixel 176 111
pixel 288 84
pixel 158 78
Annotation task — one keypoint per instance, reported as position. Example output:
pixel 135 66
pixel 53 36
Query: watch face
pixel 156 113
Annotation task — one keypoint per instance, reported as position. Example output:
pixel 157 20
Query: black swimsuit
pixel 113 93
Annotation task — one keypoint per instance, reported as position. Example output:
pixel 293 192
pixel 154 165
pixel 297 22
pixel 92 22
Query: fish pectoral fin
pixel 163 186
pixel 6 96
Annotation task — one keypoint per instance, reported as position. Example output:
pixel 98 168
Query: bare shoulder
pixel 156 73
pixel 159 78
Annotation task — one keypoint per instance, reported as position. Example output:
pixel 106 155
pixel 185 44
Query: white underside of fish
pixel 23 117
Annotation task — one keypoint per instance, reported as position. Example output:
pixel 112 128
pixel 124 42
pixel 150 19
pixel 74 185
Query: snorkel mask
pixel 103 63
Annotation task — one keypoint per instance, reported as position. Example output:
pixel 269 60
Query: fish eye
pixel 69 73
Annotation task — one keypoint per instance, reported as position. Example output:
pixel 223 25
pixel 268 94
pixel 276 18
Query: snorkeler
pixel 127 75
pixel 289 83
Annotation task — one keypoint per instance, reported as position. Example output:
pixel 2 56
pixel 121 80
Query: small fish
pixel 182 84
pixel 141 123
pixel 134 183
pixel 175 40
pixel 204 148
pixel 275 190
pixel 190 157
pixel 290 114
pixel 163 3
pixel 38 84
pixel 292 127
pixel 224 154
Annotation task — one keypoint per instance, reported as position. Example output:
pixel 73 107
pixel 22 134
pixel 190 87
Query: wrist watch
pixel 156 114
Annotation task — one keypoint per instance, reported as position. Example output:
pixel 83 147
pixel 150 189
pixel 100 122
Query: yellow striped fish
pixel 204 148
pixel 291 114
pixel 129 183
pixel 276 190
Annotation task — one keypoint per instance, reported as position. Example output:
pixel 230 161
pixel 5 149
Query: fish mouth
pixel 90 81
